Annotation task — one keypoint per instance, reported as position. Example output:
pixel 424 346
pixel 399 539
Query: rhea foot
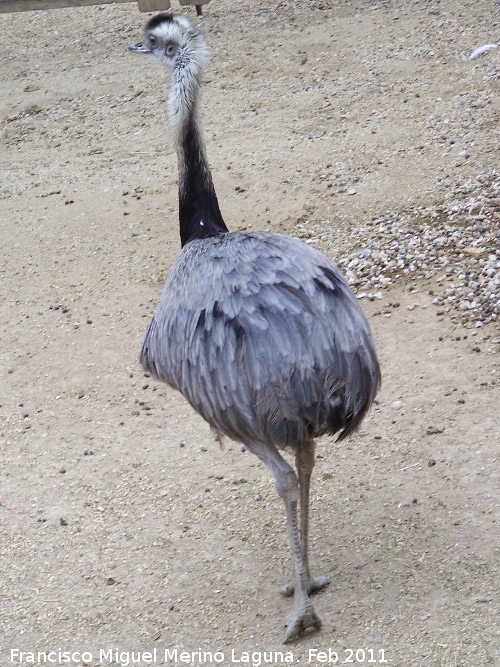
pixel 300 622
pixel 314 585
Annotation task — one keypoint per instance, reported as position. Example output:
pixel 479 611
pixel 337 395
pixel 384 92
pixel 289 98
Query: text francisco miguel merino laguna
pixel 152 657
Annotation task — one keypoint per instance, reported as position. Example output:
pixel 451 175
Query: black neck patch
pixel 199 213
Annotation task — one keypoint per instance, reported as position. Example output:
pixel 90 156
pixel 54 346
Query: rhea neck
pixel 199 213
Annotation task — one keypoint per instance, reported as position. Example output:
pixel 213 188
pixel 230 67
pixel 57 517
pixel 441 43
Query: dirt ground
pixel 123 525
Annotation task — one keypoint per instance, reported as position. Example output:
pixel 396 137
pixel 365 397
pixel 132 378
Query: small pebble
pixel 433 430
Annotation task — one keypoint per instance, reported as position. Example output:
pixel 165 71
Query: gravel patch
pixel 456 244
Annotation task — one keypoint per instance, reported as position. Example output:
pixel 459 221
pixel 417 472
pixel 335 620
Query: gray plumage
pixel 264 338
pixel 260 332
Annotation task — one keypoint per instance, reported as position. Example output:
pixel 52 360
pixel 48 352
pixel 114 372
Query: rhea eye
pixel 152 39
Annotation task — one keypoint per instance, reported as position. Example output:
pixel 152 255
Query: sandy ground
pixel 123 525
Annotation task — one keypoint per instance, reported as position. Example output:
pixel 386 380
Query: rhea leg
pixel 304 616
pixel 304 460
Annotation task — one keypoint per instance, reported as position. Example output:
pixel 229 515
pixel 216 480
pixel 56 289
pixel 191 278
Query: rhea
pixel 259 331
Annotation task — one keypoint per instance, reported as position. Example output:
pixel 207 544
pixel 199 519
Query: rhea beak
pixel 140 48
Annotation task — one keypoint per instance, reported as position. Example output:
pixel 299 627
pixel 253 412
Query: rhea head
pixel 173 42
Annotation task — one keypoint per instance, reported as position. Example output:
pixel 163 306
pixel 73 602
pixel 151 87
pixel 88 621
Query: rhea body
pixel 260 332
